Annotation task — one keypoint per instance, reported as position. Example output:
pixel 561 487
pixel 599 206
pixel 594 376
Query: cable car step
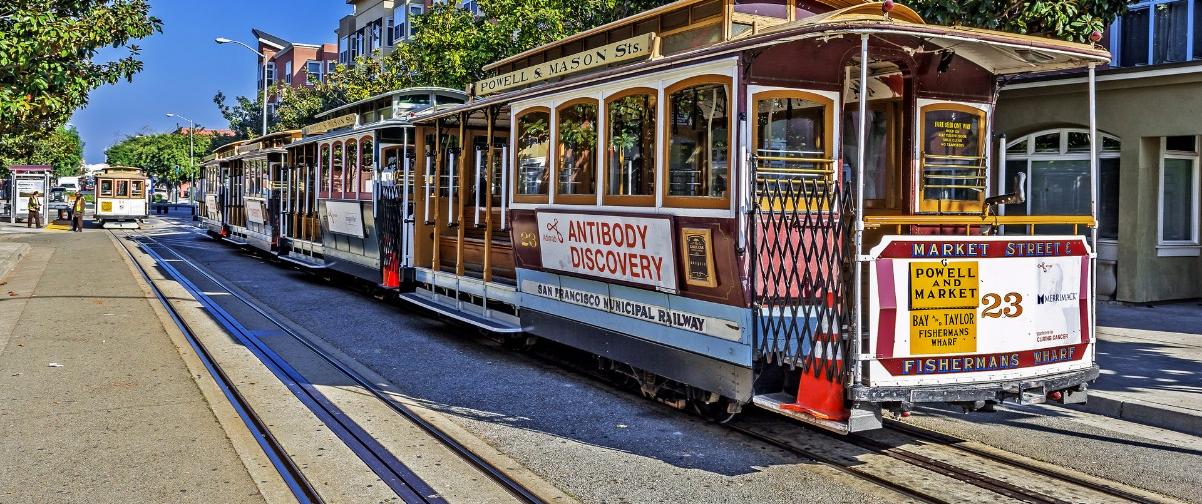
pixel 780 403
pixel 488 324
pixel 236 241
pixel 304 262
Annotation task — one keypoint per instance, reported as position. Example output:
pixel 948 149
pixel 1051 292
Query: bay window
pixel 1158 31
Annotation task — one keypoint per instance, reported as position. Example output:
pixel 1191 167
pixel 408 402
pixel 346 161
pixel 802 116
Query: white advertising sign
pixel 254 212
pixel 344 217
pixel 211 205
pixel 25 188
pixel 704 324
pixel 615 247
pixel 979 308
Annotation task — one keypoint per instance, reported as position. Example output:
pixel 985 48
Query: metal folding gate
pixel 390 219
pixel 802 273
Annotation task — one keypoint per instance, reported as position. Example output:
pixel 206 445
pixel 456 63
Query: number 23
pixel 994 309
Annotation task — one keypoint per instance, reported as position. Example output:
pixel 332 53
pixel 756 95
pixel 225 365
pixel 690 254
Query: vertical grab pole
pixel 504 186
pixel 861 144
pixel 1094 147
pixel 451 188
pixel 406 186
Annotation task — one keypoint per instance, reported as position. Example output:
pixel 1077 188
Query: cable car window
pixel 699 136
pixel 533 147
pixel 953 161
pixel 630 148
pixel 106 188
pixel 122 188
pixel 576 151
pixel 323 164
pixel 350 176
pixel 336 168
pixel 367 158
pixel 792 139
pixel 136 189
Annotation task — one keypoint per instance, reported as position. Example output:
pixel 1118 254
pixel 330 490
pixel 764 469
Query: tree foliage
pixel 1065 19
pixel 163 156
pixel 48 64
pixel 62 149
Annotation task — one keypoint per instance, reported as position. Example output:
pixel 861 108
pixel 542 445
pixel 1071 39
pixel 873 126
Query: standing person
pixel 35 210
pixel 77 216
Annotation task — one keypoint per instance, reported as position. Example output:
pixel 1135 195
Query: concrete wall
pixel 1139 111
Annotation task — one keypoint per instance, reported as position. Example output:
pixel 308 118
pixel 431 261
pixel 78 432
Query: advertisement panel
pixel 614 247
pixel 255 212
pixel 211 206
pixel 25 188
pixel 344 217
pixel 979 308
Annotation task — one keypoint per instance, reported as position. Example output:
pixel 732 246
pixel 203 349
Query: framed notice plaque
pixel 698 248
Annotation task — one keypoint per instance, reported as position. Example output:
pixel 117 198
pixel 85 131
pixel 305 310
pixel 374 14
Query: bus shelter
pixel 21 183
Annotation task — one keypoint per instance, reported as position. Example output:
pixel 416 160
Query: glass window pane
pixel 352 165
pixel 1181 143
pixel 1059 187
pixel 1197 30
pixel 122 188
pixel 323 162
pixel 1018 148
pixel 1177 206
pixel 336 168
pixel 698 137
pixel 632 146
pixel 952 165
pixel 1170 35
pixel 367 153
pixel 1110 144
pixel 1048 143
pixel 791 135
pixel 1134 44
pixel 876 158
pixel 533 146
pixel 1078 141
pixel 577 150
pixel 1108 198
pixel 106 187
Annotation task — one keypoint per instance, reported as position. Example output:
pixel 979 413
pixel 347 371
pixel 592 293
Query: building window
pixel 388 33
pixel 531 155
pixel 288 72
pixel 471 6
pixel 1158 31
pixel 377 28
pixel 698 143
pixel 630 147
pixel 1179 206
pixel 576 151
pixel 330 65
pixel 313 72
pixel 1056 166
pixel 270 70
pixel 414 12
pixel 344 47
pixel 271 106
pixel 398 24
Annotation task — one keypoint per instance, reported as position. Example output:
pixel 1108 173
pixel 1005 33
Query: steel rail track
pixel 496 474
pixel 959 444
pixel 294 478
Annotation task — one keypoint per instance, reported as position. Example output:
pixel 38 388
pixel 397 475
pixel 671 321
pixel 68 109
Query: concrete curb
pixel 1146 413
pixel 10 255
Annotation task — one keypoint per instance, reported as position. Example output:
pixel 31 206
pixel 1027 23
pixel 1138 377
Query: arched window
pixel 630 147
pixel 323 165
pixel 1056 165
pixel 367 160
pixel 336 168
pixel 352 167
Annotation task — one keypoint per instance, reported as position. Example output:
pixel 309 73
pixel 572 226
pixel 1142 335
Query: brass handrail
pixel 968 221
pixel 950 156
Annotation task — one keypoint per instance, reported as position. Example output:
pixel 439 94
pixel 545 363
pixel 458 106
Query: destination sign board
pixel 344 121
pixel 624 50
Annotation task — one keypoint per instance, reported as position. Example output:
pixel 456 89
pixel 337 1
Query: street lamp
pixel 191 158
pixel 223 40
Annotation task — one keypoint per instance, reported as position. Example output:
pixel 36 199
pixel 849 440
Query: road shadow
pixel 1182 317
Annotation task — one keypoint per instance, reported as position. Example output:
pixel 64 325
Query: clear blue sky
pixel 184 68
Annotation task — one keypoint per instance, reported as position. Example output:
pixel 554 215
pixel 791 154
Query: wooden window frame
pixel 515 168
pixel 707 202
pixel 100 186
pixel 117 192
pixel 350 174
pixel 336 146
pixel 953 206
pixel 323 162
pixel 575 199
pixel 137 186
pixel 640 200
pixel 828 120
pixel 370 170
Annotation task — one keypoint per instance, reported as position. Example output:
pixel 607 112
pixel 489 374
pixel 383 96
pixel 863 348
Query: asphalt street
pixel 606 445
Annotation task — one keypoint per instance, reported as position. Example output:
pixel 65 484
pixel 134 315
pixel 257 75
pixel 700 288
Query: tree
pixel 163 156
pixel 245 116
pixel 1065 19
pixel 47 60
pixel 62 149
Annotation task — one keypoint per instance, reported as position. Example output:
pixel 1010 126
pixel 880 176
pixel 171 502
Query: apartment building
pixel 1149 116
pixel 380 25
pixel 293 63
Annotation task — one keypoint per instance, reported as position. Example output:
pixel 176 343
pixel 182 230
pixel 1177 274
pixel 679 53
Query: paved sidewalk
pixel 1151 359
pixel 96 403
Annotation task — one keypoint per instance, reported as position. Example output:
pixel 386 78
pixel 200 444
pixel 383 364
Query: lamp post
pixel 223 40
pixel 191 159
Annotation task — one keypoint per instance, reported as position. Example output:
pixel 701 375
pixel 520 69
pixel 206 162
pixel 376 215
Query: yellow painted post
pixel 489 117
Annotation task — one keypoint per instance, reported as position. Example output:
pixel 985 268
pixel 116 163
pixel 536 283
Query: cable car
pixel 786 204
pixel 121 197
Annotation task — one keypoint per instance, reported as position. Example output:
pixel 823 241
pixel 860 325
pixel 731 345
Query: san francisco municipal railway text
pixel 613 248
